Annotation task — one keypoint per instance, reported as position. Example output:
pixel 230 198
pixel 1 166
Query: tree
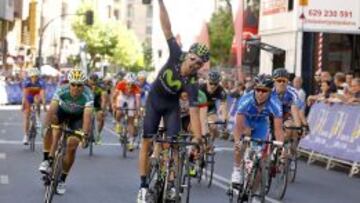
pixel 221 31
pixel 110 40
pixel 148 57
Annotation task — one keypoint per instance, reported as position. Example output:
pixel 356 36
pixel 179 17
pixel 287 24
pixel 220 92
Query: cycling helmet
pixel 77 76
pixel 201 51
pixel 141 74
pixel 130 78
pixel 264 80
pixel 94 77
pixel 214 76
pixel 280 73
pixel 33 72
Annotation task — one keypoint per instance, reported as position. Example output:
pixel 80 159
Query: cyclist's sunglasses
pixel 77 85
pixel 281 80
pixel 213 84
pixel 198 62
pixel 262 90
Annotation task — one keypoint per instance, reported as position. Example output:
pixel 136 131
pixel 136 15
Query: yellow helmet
pixel 77 76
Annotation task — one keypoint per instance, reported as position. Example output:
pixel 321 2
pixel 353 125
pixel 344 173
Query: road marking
pixel 216 181
pixel 111 131
pixel 2 156
pixel 19 142
pixel 11 107
pixel 10 124
pixel 4 179
pixel 223 149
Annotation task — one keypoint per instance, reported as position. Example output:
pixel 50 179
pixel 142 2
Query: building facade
pixel 313 35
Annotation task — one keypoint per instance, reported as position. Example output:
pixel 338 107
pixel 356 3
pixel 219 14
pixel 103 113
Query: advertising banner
pixel 336 16
pixel 271 7
pixel 334 131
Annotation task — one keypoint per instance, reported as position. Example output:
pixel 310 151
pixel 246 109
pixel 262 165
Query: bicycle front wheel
pixel 292 168
pixel 281 179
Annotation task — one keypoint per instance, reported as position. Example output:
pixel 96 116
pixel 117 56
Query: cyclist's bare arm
pixel 137 101
pixel 240 128
pixel 278 130
pixel 54 105
pixel 165 21
pixel 87 119
pixel 103 100
pixel 295 112
pixel 195 122
pixel 114 96
pixel 223 110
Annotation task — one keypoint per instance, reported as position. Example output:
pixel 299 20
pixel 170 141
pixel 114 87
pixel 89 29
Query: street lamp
pixel 89 20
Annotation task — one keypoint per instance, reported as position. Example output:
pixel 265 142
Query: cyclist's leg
pixel 203 120
pixel 75 123
pixel 120 101
pixel 151 123
pixel 212 117
pixel 131 114
pixel 100 116
pixel 26 115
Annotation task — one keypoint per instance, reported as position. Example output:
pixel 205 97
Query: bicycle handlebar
pixel 275 142
pixel 69 131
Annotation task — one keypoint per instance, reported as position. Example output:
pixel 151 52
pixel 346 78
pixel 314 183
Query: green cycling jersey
pixel 70 104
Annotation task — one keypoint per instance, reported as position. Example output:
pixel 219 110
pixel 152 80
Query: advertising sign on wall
pixel 338 16
pixel 271 7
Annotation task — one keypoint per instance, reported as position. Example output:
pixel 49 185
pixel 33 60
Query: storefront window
pixel 341 53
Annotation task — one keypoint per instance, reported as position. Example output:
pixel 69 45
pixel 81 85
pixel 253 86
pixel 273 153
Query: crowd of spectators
pixel 342 88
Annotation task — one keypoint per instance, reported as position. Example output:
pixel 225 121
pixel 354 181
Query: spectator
pixel 297 83
pixel 323 95
pixel 349 76
pixel 354 92
pixel 238 90
pixel 249 85
pixel 340 83
pixel 325 76
pixel 317 81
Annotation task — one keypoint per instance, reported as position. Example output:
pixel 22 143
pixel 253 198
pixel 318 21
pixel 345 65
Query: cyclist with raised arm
pixel 72 103
pixel 252 119
pixel 127 95
pixel 177 75
pixel 100 97
pixel 33 92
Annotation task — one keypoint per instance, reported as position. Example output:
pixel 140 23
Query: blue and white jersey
pixel 248 107
pixel 289 98
pixel 257 119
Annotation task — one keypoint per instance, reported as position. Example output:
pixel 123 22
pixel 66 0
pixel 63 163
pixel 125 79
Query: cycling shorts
pixel 74 121
pixel 157 107
pixel 126 101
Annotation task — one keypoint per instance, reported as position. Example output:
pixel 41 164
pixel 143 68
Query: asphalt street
pixel 108 178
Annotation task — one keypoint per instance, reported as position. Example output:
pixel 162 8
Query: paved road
pixel 107 177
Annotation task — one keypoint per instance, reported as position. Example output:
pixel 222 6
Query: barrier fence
pixel 334 135
pixel 14 92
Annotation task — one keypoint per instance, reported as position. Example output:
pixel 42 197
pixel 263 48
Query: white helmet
pixel 33 72
pixel 77 76
pixel 130 78
pixel 142 74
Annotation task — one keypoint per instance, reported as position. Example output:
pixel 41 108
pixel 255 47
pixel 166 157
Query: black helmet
pixel 280 73
pixel 201 51
pixel 214 76
pixel 94 77
pixel 264 80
